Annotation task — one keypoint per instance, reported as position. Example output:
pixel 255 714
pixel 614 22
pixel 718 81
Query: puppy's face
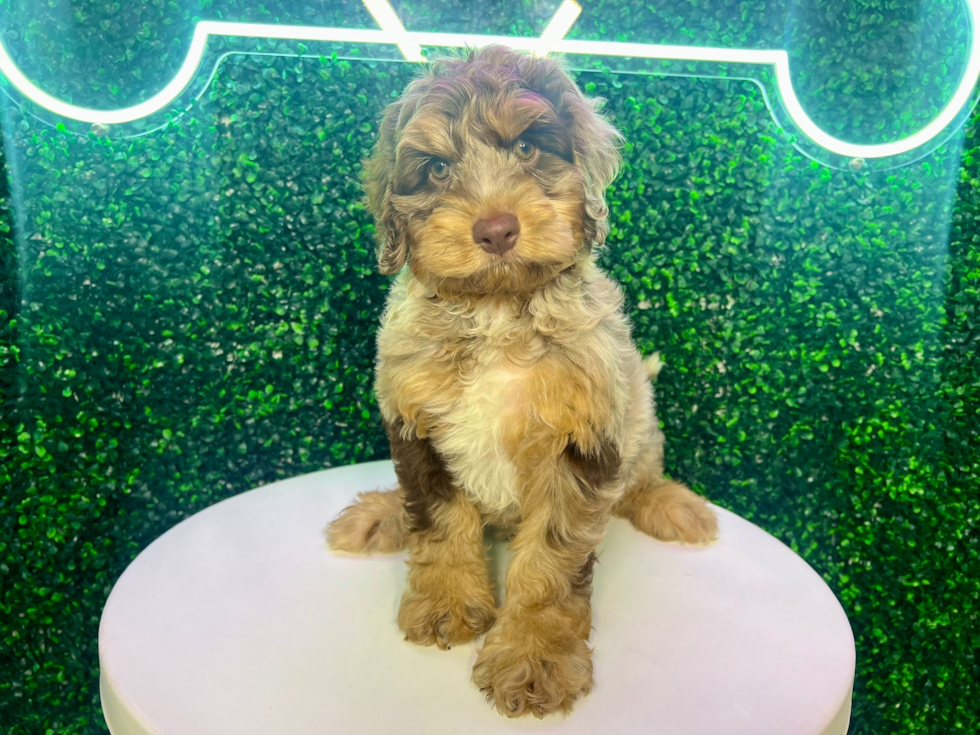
pixel 489 174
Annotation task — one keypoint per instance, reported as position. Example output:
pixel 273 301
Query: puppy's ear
pixel 596 143
pixel 378 179
pixel 594 139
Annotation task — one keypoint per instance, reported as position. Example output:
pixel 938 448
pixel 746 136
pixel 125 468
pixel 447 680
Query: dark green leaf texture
pixel 190 313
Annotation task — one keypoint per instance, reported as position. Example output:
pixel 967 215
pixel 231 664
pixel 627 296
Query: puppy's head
pixel 489 174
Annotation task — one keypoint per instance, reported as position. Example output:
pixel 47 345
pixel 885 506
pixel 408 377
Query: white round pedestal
pixel 241 621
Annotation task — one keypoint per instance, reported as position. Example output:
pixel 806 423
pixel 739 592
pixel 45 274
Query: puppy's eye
pixel 525 151
pixel 438 169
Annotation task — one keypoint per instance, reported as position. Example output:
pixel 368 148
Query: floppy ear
pixel 377 176
pixel 596 143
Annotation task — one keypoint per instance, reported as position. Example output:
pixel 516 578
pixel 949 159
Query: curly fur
pixel 509 385
pixel 375 522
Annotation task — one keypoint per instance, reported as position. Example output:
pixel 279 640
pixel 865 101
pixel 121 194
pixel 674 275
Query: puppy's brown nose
pixel 497 234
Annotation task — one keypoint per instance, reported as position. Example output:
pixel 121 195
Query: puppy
pixel 510 390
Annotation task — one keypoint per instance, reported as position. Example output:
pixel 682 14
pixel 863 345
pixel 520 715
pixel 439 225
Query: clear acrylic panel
pixel 189 294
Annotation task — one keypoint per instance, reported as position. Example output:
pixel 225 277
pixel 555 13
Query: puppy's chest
pixel 476 431
pixel 471 400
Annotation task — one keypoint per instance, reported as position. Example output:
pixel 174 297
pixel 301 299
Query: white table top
pixel 240 620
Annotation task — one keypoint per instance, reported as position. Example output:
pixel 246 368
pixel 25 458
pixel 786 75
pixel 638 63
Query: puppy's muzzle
pixel 497 234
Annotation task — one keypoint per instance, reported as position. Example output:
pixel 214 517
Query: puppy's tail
pixel 374 523
pixel 653 365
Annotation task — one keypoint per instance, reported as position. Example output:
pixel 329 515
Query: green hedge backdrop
pixel 190 313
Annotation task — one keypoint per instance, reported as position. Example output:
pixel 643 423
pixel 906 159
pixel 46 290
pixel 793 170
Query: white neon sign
pixel 553 40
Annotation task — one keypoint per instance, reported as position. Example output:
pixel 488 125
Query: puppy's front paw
pixel 444 620
pixel 528 675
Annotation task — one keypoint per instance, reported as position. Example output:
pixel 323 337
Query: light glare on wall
pixel 552 40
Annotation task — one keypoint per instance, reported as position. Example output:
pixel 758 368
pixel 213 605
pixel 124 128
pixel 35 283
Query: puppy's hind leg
pixel 374 523
pixel 663 508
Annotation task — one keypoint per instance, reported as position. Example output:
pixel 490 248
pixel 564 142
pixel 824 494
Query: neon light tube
pixel 410 43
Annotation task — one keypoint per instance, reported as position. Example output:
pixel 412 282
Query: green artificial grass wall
pixel 189 313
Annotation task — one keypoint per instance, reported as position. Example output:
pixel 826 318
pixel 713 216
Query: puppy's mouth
pixel 517 262
pixel 507 258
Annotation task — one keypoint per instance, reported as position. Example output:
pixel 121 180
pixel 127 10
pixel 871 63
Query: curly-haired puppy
pixel 511 392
